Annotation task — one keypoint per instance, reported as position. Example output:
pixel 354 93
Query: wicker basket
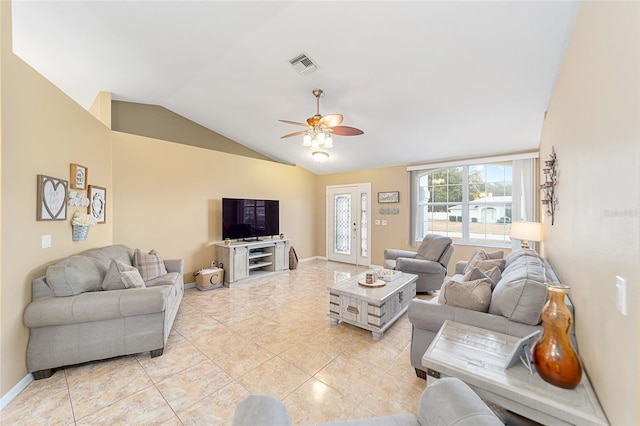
pixel 80 232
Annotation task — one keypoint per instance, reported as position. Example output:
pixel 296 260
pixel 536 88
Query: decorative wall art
pixel 549 199
pixel 97 203
pixel 52 198
pixel 389 197
pixel 79 176
pixel 77 199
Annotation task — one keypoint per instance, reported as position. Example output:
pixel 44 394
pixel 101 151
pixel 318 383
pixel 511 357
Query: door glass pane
pixel 364 225
pixel 342 224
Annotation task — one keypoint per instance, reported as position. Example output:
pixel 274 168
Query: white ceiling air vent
pixel 303 64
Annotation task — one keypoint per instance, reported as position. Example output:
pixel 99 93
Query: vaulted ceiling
pixel 425 80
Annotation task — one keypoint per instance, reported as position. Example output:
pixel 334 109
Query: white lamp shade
pixel 526 231
pixel 328 142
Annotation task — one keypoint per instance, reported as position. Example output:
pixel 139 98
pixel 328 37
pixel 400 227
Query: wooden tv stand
pixel 248 259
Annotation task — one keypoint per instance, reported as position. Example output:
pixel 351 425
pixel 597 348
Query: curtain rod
pixel 473 161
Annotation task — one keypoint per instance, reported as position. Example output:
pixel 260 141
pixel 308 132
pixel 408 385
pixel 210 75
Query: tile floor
pixel 269 336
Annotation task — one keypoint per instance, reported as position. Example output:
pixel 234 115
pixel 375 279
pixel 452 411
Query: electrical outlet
pixel 377 222
pixel 384 223
pixel 621 295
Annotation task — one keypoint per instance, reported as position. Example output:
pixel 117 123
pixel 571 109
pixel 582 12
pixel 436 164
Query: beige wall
pixel 154 121
pixel 43 131
pixel 396 233
pixel 167 196
pixel 593 123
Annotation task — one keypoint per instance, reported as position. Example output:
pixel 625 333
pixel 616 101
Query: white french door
pixel 349 224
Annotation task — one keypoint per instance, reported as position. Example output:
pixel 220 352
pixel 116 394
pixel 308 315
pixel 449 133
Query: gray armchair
pixel 429 263
pixel 446 402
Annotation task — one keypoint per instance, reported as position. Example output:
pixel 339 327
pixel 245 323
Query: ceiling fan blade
pixel 295 123
pixel 331 120
pixel 301 132
pixel 347 131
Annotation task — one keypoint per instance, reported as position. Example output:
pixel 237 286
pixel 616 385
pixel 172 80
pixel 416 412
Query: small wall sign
pixel 389 197
pixel 78 176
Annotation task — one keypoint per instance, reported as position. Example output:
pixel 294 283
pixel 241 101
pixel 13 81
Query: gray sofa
pixel 95 305
pixel 515 302
pixel 446 402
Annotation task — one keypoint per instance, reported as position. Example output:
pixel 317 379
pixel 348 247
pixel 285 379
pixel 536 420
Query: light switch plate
pixel 621 295
pixel 46 241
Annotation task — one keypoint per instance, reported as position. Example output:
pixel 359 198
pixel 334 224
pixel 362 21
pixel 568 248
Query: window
pixel 469 203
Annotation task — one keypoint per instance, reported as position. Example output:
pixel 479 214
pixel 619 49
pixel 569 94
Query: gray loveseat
pixel 515 302
pixel 73 319
pixel 446 402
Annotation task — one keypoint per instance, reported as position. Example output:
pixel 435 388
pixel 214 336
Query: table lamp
pixel 526 232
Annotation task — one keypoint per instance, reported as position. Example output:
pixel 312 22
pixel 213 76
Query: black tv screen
pixel 249 218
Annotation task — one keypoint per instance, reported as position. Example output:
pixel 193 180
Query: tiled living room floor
pixel 269 336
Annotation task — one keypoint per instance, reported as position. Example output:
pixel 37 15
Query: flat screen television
pixel 244 218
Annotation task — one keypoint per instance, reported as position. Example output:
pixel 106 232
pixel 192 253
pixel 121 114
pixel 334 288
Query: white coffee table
pixel 372 308
pixel 476 356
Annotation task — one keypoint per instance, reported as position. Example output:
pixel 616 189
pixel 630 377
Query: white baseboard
pixel 15 391
pixel 309 259
pixel 189 285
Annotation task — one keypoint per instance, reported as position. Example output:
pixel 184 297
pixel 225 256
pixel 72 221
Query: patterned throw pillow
pixel 474 295
pixel 150 265
pixel 494 274
pixel 120 276
pixel 485 261
pixel 132 279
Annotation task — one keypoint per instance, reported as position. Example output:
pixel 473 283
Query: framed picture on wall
pixel 52 198
pixel 97 203
pixel 79 176
pixel 389 197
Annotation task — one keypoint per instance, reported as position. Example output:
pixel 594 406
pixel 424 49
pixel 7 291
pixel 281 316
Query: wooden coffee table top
pixel 376 295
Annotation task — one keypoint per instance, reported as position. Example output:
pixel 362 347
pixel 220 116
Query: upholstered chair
pixel 429 263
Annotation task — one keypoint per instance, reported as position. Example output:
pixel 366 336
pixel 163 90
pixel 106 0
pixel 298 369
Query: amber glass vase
pixel 555 359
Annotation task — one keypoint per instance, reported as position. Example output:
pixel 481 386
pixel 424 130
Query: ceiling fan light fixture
pixel 320 156
pixel 319 129
pixel 306 141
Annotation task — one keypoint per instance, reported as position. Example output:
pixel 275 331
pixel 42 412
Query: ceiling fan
pixel 320 128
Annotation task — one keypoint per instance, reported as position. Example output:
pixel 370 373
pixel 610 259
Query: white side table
pixel 476 356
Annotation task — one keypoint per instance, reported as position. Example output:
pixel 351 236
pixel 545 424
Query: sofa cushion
pixel 474 295
pixel 520 254
pixel 150 265
pixel 170 278
pixel 120 276
pixel 74 275
pixel 521 294
pixel 432 247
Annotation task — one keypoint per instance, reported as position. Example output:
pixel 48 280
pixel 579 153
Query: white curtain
pixel 413 206
pixel 523 207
